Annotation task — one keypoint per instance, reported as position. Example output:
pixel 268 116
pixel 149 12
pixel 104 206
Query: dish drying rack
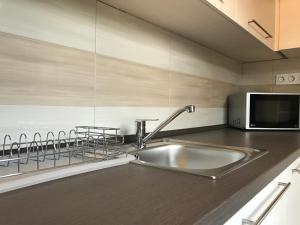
pixel 82 144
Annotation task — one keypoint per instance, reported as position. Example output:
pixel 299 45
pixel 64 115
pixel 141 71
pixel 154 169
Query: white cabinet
pixel 277 214
pixel 277 204
pixel 293 198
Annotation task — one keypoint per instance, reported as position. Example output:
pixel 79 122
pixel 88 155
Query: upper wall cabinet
pixel 215 3
pixel 255 16
pixel 258 18
pixel 213 23
pixel 289 36
pixel 228 7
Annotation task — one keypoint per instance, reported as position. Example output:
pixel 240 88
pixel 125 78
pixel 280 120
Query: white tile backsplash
pixel 125 117
pixel 17 119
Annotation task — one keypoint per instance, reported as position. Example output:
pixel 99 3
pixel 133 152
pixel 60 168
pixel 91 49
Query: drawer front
pixel 271 205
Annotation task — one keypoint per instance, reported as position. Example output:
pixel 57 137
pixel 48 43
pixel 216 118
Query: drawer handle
pixel 269 208
pixel 261 27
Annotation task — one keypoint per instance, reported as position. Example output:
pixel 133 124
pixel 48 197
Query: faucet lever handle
pixel 145 120
pixel 141 131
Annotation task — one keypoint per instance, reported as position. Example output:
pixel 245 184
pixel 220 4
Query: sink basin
pixel 208 160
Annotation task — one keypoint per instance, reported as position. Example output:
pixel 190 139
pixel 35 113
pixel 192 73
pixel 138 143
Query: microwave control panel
pixel 288 79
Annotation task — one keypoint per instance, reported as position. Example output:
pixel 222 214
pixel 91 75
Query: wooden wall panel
pixel 39 73
pixel 187 89
pixel 272 88
pixel 69 23
pixel 257 88
pixel 220 92
pixel 200 91
pixel 287 88
pixel 123 83
pixel 261 76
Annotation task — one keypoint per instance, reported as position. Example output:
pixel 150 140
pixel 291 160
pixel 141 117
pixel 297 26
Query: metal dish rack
pixel 82 144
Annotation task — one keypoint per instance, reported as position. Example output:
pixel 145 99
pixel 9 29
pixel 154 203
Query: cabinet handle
pixel 261 27
pixel 296 170
pixel 269 208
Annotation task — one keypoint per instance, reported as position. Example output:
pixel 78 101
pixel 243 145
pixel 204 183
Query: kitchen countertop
pixel 137 195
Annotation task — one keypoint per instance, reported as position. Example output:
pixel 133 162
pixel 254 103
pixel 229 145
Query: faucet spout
pixel 142 141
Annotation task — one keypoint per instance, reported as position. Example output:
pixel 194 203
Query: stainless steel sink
pixel 208 160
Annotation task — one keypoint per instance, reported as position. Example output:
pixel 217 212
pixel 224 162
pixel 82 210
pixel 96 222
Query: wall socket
pixel 288 78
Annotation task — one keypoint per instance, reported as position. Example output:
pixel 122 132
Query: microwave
pixel 264 111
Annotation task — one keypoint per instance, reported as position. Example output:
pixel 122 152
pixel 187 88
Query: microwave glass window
pixel 274 111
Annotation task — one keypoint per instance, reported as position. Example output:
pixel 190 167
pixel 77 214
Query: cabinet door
pixel 293 202
pixel 271 203
pixel 215 3
pixel 228 7
pixel 258 18
pixel 267 207
pixel 272 210
pixel 289 35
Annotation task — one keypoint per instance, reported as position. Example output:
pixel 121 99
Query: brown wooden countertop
pixel 137 195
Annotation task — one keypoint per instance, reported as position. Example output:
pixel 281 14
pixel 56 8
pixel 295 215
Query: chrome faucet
pixel 141 126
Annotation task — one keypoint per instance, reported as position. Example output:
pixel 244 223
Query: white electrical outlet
pixel 288 78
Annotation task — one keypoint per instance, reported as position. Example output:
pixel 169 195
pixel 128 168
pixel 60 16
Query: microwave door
pixel 274 111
